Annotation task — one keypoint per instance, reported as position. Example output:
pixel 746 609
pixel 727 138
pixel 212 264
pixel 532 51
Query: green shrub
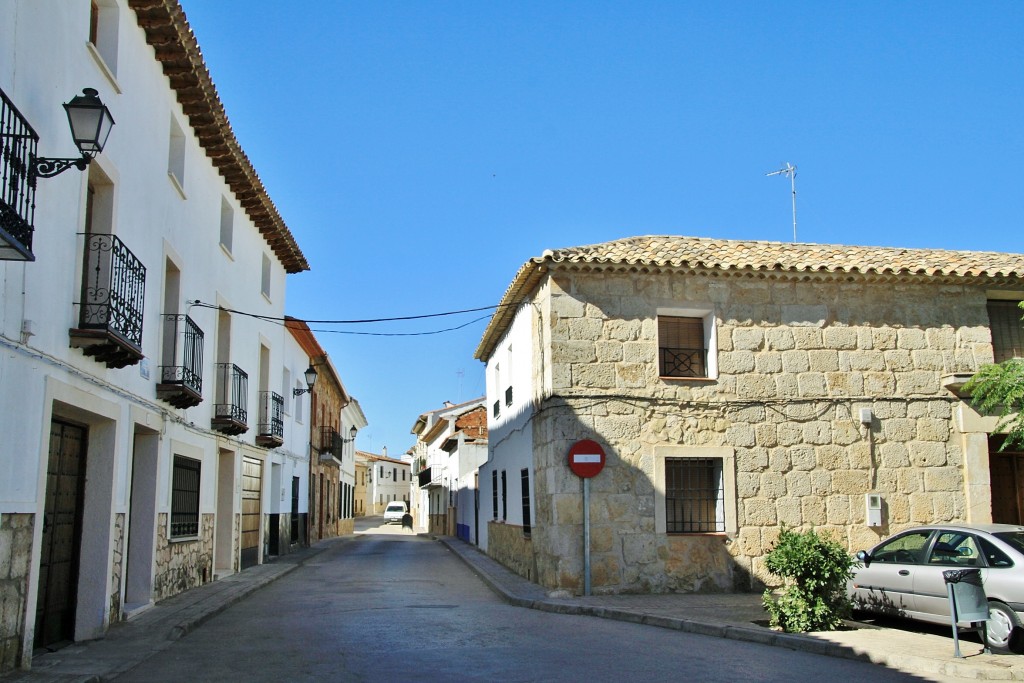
pixel 815 570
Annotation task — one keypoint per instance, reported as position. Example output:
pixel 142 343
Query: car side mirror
pixel 864 557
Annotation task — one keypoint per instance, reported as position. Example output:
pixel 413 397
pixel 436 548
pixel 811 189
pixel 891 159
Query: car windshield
pixel 1014 538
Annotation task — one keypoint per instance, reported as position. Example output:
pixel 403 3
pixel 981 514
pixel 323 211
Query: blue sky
pixel 422 152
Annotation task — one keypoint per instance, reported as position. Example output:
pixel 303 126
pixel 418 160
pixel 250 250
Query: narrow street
pixel 391 606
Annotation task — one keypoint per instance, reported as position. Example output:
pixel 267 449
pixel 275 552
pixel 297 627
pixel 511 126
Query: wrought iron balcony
pixel 181 375
pixel 229 412
pixel 18 143
pixel 270 428
pixel 329 444
pixel 110 312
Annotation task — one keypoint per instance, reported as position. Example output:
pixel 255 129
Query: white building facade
pixel 150 429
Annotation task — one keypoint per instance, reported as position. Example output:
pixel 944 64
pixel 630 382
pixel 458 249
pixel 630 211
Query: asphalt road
pixel 392 606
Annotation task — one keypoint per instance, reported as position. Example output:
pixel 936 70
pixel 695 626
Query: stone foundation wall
pixel 15 560
pixel 182 565
pixel 507 544
pixel 117 569
pixel 797 361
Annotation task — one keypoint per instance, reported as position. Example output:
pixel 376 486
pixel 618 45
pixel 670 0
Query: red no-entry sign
pixel 586 458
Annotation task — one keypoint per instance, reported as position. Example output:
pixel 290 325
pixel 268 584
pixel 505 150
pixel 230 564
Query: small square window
pixel 1007 329
pixel 694 495
pixel 681 347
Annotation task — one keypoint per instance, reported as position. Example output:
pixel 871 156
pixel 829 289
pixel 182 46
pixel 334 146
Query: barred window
pixel 681 351
pixel 504 496
pixel 185 497
pixel 694 495
pixel 494 494
pixel 524 477
pixel 1007 329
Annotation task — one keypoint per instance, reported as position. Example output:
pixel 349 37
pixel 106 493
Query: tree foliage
pixel 999 390
pixel 815 569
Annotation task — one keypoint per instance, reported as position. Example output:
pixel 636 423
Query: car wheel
pixel 1003 629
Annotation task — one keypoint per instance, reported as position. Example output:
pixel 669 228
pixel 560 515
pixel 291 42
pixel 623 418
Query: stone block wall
pixel 117 569
pixel 16 531
pixel 797 360
pixel 182 565
pixel 508 545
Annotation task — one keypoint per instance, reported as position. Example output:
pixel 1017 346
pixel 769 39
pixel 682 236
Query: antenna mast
pixel 790 171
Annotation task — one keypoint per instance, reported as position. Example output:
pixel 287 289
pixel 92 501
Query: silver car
pixel 903 575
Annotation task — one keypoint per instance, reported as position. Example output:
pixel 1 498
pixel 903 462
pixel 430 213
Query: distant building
pixel 387 479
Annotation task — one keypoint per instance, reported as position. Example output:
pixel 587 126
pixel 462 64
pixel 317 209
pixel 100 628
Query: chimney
pixel 385 452
pixel 449 404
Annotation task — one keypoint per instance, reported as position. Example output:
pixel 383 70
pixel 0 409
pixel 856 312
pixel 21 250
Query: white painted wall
pixel 509 437
pixel 45 60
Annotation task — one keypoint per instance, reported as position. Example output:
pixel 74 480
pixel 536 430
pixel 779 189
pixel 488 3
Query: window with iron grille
pixel 694 495
pixel 1004 318
pixel 185 497
pixel 504 496
pixel 681 349
pixel 494 494
pixel 524 477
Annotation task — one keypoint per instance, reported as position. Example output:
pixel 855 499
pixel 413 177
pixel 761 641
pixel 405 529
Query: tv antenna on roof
pixel 790 171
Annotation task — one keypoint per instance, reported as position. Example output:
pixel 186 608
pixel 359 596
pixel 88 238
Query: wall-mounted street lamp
pixel 310 375
pixel 352 435
pixel 90 122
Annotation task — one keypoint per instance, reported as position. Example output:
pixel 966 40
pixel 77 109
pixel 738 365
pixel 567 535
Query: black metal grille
pixel 232 387
pixel 494 494
pixel 295 510
pixel 694 495
pixel 1004 319
pixel 524 477
pixel 681 351
pixel 271 421
pixel 182 352
pixel 330 442
pixel 185 497
pixel 17 192
pixel 508 396
pixel 113 289
pixel 497 408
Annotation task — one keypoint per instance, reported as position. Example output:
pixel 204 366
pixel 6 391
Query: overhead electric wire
pixel 286 319
pixel 200 304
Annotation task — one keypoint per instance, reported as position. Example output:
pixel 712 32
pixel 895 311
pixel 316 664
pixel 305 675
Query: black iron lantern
pixel 310 375
pixel 90 122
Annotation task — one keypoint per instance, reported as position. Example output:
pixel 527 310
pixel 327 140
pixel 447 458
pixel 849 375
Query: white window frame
pixel 707 315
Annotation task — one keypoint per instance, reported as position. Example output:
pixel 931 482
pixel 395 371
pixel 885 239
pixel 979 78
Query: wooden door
pixel 62 535
pixel 1006 471
pixel 252 485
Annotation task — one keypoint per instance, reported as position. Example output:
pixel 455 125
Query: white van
pixel 394 512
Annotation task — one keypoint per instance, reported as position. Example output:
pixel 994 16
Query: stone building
pixel 143 415
pixel 736 387
pixel 332 444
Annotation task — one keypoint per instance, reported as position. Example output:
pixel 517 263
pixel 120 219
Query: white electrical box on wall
pixel 873 502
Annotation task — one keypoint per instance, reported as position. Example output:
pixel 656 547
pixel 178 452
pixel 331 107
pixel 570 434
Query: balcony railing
pixel 329 444
pixel 270 428
pixel 229 412
pixel 113 293
pixel 18 143
pixel 181 375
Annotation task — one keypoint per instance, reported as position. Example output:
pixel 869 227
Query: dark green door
pixel 62 535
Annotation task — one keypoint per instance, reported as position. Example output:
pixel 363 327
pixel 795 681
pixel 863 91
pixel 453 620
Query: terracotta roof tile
pixel 671 251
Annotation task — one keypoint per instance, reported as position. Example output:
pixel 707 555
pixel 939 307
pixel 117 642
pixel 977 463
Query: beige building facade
pixel 737 387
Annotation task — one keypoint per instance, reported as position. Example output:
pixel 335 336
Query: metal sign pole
pixel 586 536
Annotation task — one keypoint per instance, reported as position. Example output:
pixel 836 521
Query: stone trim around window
pixel 728 457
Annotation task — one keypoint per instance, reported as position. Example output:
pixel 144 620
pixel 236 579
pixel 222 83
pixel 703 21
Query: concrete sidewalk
pixel 737 616
pixel 129 643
